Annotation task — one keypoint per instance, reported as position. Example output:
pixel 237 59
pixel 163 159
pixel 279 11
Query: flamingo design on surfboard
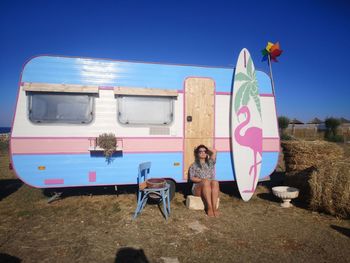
pixel 246 126
pixel 254 144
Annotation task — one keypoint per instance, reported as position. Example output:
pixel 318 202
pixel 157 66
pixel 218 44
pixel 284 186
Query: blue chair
pixel 162 195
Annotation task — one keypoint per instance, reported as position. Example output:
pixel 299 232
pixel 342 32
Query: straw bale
pixel 4 137
pixel 330 188
pixel 301 155
pixel 321 173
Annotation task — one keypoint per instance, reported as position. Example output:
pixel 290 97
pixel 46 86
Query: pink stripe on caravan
pixel 54 181
pixel 92 176
pixel 48 153
pixel 129 145
pixel 223 144
pixel 151 138
pixel 269 144
pixel 223 93
pixel 146 145
pixel 90 138
pixel 82 145
pixel 41 145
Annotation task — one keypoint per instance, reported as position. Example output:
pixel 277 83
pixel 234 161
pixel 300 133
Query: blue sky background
pixel 312 77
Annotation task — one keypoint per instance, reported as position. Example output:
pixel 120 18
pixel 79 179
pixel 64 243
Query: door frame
pixel 184 176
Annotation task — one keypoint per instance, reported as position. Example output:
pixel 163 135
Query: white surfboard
pixel 246 125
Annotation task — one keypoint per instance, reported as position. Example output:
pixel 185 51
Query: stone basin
pixel 286 193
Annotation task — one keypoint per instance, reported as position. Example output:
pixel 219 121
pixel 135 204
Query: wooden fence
pixel 311 134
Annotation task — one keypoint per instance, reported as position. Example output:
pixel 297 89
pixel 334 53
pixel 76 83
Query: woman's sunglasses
pixel 202 151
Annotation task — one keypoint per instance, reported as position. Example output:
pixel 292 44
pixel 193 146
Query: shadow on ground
pixel 228 188
pixel 343 230
pixel 277 179
pixel 90 191
pixel 6 258
pixel 9 186
pixel 130 255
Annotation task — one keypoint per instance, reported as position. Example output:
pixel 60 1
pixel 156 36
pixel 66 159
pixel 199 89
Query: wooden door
pixel 199 117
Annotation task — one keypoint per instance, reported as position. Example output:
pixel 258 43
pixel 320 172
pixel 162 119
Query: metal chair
pixel 162 195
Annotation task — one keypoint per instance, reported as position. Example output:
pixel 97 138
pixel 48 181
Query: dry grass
pixel 99 228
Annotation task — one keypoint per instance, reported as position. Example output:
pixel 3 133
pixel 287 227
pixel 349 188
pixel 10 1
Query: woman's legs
pixel 209 191
pixel 215 195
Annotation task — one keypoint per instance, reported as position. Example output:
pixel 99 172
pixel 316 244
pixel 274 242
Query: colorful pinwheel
pixel 271 50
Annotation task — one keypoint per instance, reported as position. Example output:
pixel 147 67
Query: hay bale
pixel 281 166
pixel 4 137
pixel 301 155
pixel 318 169
pixel 330 188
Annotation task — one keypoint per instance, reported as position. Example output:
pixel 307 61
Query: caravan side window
pixel 145 110
pixel 60 108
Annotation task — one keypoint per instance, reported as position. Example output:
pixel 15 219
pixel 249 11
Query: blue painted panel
pixel 74 169
pixel 121 73
pixel 264 82
pixel 224 167
pixel 225 170
pixel 269 163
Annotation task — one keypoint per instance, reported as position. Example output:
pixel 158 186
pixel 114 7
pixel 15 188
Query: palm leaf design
pixel 241 77
pixel 250 68
pixel 249 88
pixel 239 96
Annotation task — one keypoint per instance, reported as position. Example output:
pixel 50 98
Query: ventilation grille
pixel 159 131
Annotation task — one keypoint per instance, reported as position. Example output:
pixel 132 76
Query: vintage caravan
pixel 158 113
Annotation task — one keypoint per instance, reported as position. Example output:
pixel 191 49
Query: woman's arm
pixel 196 179
pixel 213 155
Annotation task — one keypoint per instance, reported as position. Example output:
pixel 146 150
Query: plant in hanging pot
pixel 108 142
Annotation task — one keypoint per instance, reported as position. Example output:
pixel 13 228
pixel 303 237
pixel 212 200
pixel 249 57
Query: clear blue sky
pixel 312 77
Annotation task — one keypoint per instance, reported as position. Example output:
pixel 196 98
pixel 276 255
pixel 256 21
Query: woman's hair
pixel 196 154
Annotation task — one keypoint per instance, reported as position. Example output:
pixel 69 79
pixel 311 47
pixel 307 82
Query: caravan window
pixel 60 108
pixel 145 110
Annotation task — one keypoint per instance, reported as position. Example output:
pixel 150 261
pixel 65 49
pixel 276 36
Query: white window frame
pixel 120 102
pixel 91 109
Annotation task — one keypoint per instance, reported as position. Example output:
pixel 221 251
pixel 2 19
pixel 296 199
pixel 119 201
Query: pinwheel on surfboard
pixel 246 120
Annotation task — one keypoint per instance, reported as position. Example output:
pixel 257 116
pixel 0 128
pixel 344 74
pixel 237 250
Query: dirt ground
pixel 95 225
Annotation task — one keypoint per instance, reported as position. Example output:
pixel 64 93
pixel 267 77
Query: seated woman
pixel 202 175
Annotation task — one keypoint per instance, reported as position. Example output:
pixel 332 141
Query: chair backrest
pixel 144 170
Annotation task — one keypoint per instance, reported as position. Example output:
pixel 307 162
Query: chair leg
pixel 141 204
pixel 168 199
pixel 136 211
pixel 164 205
pixel 144 202
pixel 143 198
pixel 138 206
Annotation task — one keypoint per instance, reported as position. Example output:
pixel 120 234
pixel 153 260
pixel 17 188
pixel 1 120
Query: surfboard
pixel 246 126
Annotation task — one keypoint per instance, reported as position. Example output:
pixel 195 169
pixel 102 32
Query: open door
pixel 199 117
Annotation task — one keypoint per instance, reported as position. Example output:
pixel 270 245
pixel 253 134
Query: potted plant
pixel 108 142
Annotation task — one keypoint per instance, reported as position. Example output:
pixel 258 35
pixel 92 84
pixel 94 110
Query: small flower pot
pixel 154 183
